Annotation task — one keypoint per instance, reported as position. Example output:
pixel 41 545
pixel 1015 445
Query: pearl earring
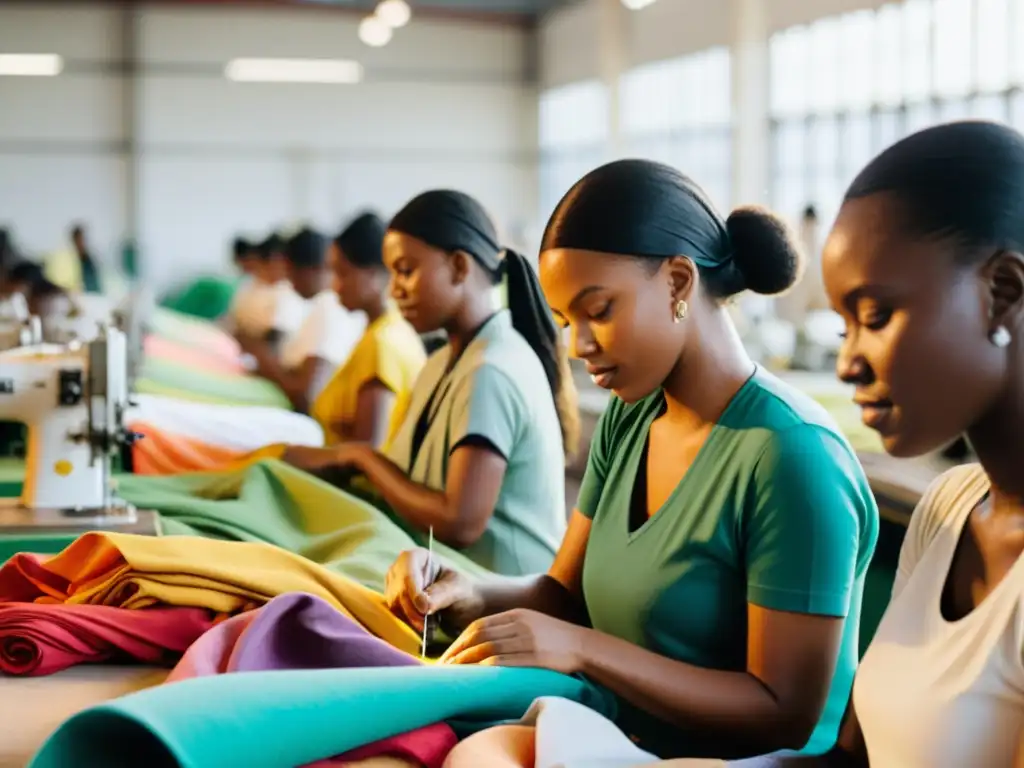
pixel 680 313
pixel 1000 337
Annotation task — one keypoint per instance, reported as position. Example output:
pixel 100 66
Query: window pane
pixel 1016 35
pixel 952 59
pixel 855 80
pixel 790 147
pixel 887 130
pixel 858 147
pixel 992 45
pixel 788 82
pixel 789 196
pixel 916 49
pixel 919 116
pixel 888 54
pixel 989 108
pixel 825 145
pixel 824 66
pixel 954 109
pixel 1017 111
pixel 573 115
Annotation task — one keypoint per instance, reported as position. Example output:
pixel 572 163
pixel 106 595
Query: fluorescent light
pixel 31 64
pixel 294 71
pixel 374 32
pixel 394 13
pixel 636 5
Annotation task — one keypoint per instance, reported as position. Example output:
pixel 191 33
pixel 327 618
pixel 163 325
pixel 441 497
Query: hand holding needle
pixel 426 618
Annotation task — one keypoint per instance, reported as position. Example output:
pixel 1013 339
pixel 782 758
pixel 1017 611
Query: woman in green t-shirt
pixel 711 575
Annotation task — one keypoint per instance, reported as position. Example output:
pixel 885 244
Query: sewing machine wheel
pixel 17 519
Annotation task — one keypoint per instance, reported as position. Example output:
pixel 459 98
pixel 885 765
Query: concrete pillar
pixel 750 106
pixel 612 59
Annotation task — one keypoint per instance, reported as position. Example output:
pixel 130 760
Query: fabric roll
pixel 273 719
pixel 40 639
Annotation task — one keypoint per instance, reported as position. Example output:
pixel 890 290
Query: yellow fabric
pixel 64 269
pixel 389 351
pixel 136 572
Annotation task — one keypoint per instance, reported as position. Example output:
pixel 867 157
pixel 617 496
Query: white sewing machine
pixel 72 399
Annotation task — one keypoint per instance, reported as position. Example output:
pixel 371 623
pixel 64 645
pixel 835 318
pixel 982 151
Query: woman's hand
pixel 418 585
pixel 349 455
pixel 520 638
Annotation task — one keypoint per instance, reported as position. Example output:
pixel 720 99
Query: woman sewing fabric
pixel 926 265
pixel 480 455
pixel 326 337
pixel 370 392
pixel 712 572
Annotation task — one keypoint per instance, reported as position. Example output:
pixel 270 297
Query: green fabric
pixel 497 392
pixel 180 328
pixel 275 503
pixel 775 511
pixel 274 719
pixel 206 297
pixel 165 377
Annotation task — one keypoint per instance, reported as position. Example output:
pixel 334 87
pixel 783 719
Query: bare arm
pixel 295 382
pixel 460 513
pixel 373 415
pixel 557 593
pixel 774 704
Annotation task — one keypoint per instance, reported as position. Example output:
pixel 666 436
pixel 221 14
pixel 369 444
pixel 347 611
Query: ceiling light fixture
pixel 31 64
pixel 328 71
pixel 394 13
pixel 636 5
pixel 374 32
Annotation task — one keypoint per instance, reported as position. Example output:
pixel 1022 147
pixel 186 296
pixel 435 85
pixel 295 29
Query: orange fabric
pixel 503 746
pixel 162 453
pixel 212 361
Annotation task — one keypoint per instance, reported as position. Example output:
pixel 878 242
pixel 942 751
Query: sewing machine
pixel 72 399
pixel 17 327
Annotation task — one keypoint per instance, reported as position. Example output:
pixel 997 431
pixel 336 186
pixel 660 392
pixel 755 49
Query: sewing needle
pixel 426 617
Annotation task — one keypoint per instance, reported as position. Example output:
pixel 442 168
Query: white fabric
pixel 235 427
pixel 329 333
pixel 31 708
pixel 931 693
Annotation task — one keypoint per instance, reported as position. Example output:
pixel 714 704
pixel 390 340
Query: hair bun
pixel 764 250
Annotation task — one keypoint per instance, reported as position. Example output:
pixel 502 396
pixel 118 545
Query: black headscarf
pixel 362 241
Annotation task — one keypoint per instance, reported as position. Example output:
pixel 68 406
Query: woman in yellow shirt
pixel 369 394
pixel 360 402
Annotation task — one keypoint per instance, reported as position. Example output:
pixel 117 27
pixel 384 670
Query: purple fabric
pixel 292 631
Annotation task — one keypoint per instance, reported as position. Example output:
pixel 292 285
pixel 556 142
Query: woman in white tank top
pixel 925 265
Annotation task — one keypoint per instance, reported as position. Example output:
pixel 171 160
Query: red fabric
pixel 40 639
pixel 427 746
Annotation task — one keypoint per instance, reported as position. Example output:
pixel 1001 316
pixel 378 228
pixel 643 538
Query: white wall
pixel 444 104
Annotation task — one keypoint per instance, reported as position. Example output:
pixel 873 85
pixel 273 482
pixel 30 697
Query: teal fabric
pixel 275 719
pixel 775 511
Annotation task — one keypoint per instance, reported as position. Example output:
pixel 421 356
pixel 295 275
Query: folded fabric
pixel 158 376
pixel 242 427
pixel 166 349
pixel 300 631
pixel 40 639
pixel 129 571
pixel 273 719
pixel 275 503
pixel 190 331
pixel 572 736
pixel 292 631
pixel 164 453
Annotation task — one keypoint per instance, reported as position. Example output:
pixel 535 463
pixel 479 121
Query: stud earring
pixel 1000 337
pixel 681 310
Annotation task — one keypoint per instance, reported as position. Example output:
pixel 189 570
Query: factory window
pixel 845 87
pixel 678 112
pixel 572 134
